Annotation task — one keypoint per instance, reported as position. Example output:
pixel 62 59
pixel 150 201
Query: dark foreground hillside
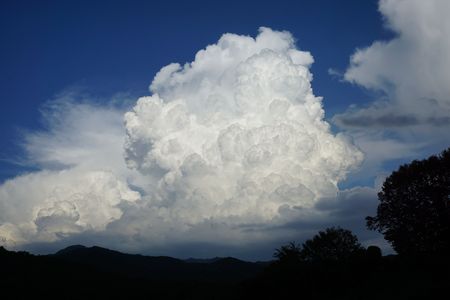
pixel 78 272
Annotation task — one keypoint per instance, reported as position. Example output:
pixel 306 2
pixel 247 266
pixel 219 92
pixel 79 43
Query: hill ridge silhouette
pixel 139 266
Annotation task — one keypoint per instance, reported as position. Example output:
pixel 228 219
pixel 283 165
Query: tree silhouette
pixel 373 253
pixel 331 245
pixel 290 253
pixel 414 209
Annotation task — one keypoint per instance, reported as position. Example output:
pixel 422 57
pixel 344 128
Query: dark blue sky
pixel 109 47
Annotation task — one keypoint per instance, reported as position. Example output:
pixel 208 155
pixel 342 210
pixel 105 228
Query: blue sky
pixel 145 127
pixel 109 47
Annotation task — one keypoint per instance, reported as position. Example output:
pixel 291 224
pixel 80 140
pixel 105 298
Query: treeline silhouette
pixel 333 265
pixel 413 215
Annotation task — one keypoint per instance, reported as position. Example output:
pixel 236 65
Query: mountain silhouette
pixel 158 267
pixel 94 272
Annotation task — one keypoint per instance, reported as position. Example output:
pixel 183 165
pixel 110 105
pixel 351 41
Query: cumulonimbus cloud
pixel 234 137
pixel 237 133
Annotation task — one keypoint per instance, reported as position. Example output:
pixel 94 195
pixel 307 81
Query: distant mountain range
pixel 151 267
pixel 79 272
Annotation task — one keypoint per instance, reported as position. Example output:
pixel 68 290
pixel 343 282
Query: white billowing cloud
pixel 47 205
pixel 227 145
pixel 83 178
pixel 237 135
pixel 412 69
